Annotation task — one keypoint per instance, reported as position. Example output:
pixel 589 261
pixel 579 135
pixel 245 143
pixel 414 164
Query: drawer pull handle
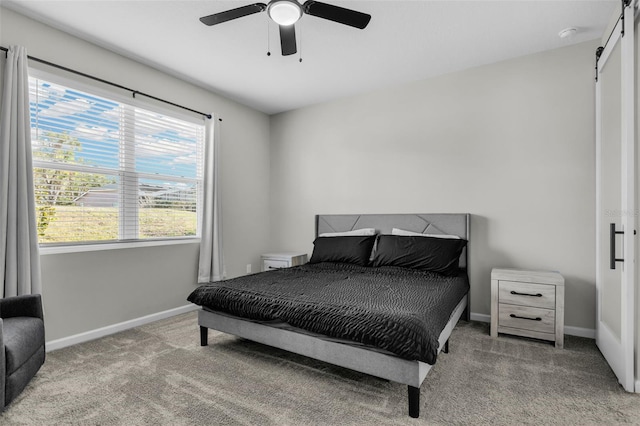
pixel 527 294
pixel 527 318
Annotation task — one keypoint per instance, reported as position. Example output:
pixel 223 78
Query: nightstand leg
pixel 559 317
pixel 494 308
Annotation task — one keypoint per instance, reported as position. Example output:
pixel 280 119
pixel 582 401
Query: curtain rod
pixel 119 86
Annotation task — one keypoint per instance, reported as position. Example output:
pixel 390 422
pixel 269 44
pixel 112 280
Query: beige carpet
pixel 158 374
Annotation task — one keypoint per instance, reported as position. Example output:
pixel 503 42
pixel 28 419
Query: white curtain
pixel 211 267
pixel 19 256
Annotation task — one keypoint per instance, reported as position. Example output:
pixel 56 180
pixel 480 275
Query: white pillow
pixel 362 231
pixel 396 231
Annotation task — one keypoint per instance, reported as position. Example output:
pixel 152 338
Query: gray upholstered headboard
pixel 437 223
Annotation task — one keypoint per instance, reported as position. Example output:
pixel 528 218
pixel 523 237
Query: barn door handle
pixel 612 246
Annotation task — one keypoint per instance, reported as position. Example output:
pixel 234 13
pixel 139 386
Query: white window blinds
pixel 109 171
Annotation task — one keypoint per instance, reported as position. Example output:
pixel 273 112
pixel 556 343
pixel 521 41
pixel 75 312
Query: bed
pixel 388 321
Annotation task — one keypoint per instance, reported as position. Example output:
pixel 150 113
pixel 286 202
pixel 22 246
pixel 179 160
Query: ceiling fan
pixel 286 13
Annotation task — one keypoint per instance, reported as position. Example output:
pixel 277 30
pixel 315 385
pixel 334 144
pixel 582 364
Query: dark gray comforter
pixel 399 310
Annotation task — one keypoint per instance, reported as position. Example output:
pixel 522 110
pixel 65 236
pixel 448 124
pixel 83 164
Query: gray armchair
pixel 21 344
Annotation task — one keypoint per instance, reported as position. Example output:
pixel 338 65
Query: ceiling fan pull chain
pixel 300 43
pixel 268 39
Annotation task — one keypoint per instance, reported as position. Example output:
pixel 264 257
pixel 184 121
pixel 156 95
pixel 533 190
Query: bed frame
pixel 410 373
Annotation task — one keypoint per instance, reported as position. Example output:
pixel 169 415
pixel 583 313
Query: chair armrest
pixel 28 305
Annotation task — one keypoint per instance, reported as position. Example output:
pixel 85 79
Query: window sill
pixel 114 246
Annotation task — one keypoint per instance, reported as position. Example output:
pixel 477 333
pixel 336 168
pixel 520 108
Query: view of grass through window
pixel 107 171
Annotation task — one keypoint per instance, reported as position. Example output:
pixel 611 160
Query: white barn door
pixel 615 201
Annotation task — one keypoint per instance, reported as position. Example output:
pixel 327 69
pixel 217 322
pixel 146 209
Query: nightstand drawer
pixel 527 318
pixel 274 264
pixel 528 294
pixel 282 260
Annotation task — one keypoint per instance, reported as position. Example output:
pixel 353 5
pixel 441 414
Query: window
pixel 110 171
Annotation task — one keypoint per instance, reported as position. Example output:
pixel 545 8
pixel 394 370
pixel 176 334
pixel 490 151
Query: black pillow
pixel 439 255
pixel 354 249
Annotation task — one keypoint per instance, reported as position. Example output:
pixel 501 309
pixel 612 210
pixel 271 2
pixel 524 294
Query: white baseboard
pixel 480 317
pixel 589 333
pixel 115 328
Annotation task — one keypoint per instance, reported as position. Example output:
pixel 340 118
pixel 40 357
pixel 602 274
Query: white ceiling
pixel 405 41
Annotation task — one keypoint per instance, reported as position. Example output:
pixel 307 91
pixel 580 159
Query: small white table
pixel 528 304
pixel 282 260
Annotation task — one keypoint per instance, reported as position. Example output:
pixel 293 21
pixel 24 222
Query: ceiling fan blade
pixel 337 14
pixel 218 18
pixel 288 40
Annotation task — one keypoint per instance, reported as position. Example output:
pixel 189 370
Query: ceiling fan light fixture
pixel 284 12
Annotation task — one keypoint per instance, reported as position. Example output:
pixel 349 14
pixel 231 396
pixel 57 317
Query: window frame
pixel 130 102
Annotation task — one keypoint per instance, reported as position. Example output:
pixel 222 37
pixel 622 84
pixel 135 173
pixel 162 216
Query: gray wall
pixel 89 290
pixel 84 291
pixel 512 143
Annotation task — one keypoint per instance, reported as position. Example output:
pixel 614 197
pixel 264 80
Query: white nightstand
pixel 528 303
pixel 282 260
